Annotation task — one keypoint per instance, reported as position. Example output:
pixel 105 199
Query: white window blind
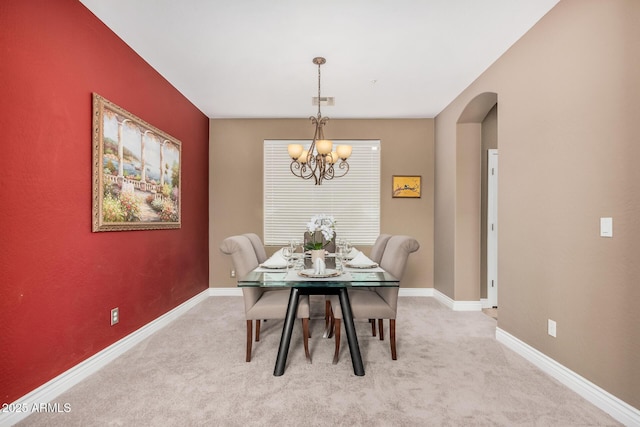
pixel 354 199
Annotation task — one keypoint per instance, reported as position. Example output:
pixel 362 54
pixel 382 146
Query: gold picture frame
pixel 136 172
pixel 406 186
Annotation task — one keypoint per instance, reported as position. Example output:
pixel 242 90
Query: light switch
pixel 606 227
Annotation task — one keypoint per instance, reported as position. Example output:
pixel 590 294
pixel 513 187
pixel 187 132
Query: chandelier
pixel 319 162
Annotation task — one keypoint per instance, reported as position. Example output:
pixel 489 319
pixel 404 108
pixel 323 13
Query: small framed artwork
pixel 407 186
pixel 136 172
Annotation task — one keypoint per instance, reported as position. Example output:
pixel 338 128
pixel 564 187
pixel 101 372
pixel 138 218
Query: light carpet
pixel 450 371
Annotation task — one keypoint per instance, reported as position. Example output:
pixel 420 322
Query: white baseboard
pixel 415 292
pixel 457 305
pixel 484 303
pixel 618 409
pixel 63 382
pixel 225 292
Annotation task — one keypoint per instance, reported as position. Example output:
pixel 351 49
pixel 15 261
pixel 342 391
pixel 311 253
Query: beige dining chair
pixel 378 248
pixel 375 255
pixel 261 255
pixel 379 302
pixel 261 303
pixel 258 246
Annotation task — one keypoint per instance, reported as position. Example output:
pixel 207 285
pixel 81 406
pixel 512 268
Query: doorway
pixel 476 134
pixel 492 228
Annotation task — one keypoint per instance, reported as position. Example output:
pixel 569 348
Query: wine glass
pixel 340 257
pixel 347 246
pixel 287 252
pixel 298 257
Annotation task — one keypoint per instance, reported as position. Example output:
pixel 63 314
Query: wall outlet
pixel 115 316
pixel 551 328
pixel 233 273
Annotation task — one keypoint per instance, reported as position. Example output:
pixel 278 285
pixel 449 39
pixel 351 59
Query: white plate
pixel 311 273
pixel 273 267
pixel 348 264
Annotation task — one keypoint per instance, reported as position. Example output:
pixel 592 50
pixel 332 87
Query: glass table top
pixel 292 278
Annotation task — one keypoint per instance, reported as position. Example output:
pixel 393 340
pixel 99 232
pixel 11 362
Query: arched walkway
pixel 476 131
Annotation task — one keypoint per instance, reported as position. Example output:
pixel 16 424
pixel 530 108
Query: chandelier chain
pixel 319 115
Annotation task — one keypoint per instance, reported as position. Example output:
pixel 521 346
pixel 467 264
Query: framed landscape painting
pixel 136 172
pixel 407 186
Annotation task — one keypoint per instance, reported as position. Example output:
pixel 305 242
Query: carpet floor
pixel 450 371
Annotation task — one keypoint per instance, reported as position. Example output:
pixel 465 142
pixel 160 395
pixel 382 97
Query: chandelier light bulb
pixel 344 151
pixel 295 150
pixel 324 146
pixel 303 157
pixel 333 157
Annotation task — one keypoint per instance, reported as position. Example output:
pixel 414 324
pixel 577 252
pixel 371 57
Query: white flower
pixel 323 223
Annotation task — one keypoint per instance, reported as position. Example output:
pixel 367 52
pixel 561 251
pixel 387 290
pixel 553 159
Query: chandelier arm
pixel 323 168
pixel 296 166
pixel 343 166
pixel 303 171
pixel 329 173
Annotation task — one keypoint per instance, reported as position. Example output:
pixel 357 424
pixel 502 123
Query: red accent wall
pixel 58 279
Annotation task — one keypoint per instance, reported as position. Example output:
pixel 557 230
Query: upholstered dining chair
pixel 258 246
pixel 379 302
pixel 375 255
pixel 261 303
pixel 378 248
pixel 261 255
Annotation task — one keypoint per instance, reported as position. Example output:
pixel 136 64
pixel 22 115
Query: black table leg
pixel 352 338
pixel 287 330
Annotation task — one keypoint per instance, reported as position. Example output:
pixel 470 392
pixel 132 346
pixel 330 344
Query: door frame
pixel 492 227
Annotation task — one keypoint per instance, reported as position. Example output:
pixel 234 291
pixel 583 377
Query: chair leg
pixel 336 332
pixel 373 327
pixel 332 325
pixel 381 328
pixel 327 313
pixel 257 330
pixel 392 338
pixel 249 339
pixel 305 335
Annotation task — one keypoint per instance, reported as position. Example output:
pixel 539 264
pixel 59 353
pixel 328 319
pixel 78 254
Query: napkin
pixel 352 254
pixel 319 267
pixel 361 261
pixel 277 260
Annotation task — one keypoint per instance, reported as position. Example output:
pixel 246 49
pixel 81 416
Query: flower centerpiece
pixel 321 231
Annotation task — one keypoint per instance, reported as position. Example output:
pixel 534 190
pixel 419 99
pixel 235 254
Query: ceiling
pixel 385 58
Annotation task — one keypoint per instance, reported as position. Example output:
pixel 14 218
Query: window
pixel 354 199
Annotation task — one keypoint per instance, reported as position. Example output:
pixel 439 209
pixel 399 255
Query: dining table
pixel 334 281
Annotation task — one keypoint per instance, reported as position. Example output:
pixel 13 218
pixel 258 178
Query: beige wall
pixel 467 213
pixel 235 182
pixel 568 109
